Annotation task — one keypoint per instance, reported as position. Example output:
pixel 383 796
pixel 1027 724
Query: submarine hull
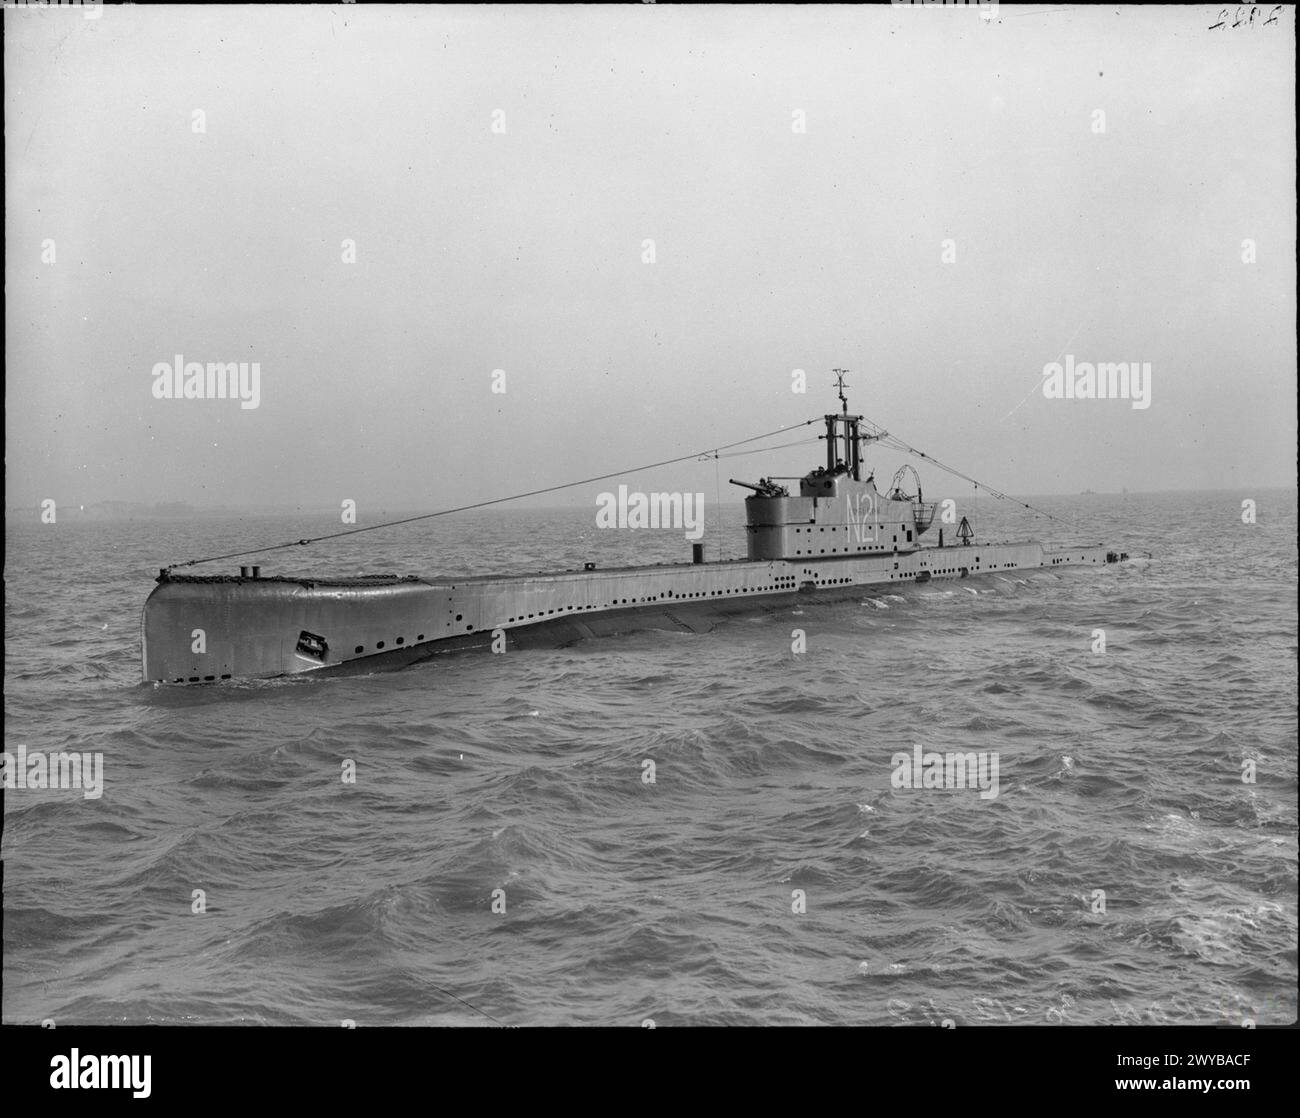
pixel 198 630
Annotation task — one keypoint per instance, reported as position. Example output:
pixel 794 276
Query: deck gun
pixel 764 488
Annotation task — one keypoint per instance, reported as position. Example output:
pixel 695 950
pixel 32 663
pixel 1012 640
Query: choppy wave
pixel 698 829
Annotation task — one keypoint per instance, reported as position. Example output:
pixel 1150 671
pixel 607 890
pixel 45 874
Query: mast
pixel 852 438
pixel 839 383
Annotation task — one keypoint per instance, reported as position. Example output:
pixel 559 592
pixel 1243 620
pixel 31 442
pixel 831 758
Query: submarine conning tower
pixel 837 511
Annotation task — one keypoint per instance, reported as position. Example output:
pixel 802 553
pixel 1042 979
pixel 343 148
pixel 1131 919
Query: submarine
pixel 834 538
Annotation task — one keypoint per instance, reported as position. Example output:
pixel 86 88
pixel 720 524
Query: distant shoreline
pixel 103 511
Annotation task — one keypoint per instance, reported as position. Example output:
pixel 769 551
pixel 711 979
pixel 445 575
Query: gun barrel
pixel 745 485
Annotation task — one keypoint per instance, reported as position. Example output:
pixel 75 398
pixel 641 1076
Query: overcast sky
pixel 776 247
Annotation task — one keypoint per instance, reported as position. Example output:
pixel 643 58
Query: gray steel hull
pixel 204 630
